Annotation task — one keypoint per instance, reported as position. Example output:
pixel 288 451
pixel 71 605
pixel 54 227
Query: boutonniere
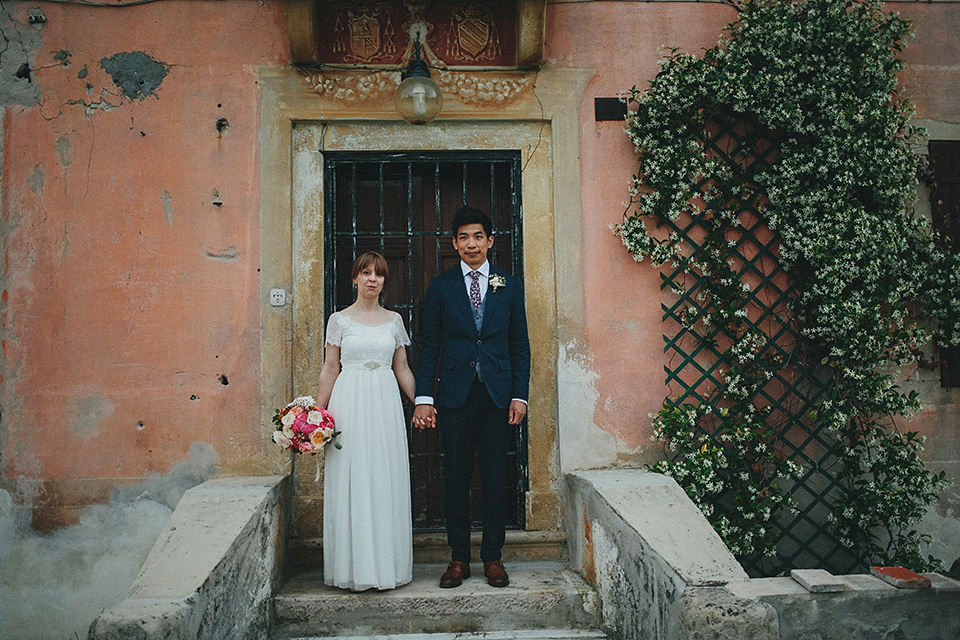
pixel 496 282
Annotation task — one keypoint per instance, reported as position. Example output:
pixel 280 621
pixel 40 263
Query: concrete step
pixel 541 595
pixel 528 634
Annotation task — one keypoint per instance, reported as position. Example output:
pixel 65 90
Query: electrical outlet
pixel 278 297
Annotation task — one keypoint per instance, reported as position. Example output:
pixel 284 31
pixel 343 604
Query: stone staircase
pixel 544 601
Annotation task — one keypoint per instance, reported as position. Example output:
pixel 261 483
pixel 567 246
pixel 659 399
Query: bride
pixel 367 526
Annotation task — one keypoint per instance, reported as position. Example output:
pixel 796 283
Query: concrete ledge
pixel 662 573
pixel 639 539
pixel 660 513
pixel 213 570
pixel 866 610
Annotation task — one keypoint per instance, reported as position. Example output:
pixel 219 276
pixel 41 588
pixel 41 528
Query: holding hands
pixel 425 416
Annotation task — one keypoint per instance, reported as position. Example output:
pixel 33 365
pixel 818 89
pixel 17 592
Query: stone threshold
pixel 432 547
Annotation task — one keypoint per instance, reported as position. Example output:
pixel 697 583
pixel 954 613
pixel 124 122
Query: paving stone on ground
pixel 901 578
pixel 818 581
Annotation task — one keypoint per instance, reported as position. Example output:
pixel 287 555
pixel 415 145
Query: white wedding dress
pixel 367 522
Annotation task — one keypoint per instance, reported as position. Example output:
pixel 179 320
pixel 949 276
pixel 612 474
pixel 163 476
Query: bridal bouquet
pixel 304 427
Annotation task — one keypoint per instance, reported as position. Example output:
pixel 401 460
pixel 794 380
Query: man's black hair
pixel 468 215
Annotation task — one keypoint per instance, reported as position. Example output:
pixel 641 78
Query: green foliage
pixel 872 284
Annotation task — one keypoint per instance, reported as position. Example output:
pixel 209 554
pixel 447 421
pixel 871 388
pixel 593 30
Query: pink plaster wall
pixel 620 40
pixel 931 77
pixel 127 292
pixel 622 297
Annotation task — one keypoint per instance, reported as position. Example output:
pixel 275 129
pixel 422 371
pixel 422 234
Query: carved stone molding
pixel 483 88
pixel 476 89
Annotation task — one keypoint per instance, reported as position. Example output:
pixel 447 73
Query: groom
pixel 475 329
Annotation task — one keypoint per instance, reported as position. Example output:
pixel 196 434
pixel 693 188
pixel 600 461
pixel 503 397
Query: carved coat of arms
pixel 473 34
pixel 364 32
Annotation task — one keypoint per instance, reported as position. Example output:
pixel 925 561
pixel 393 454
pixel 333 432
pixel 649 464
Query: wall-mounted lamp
pixel 418 98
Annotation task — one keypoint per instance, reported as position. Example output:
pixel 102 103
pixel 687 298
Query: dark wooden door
pixel 401 205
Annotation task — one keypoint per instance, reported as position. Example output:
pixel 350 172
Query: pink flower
pixel 305 446
pixel 300 424
pixel 326 418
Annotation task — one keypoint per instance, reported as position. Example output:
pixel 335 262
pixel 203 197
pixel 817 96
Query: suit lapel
pixel 460 296
pixel 490 302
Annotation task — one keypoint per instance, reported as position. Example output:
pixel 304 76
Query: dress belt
pixel 371 365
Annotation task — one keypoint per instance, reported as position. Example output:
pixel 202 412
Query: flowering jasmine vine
pixel 871 283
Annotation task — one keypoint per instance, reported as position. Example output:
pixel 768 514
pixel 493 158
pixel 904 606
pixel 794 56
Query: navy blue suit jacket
pixel 450 340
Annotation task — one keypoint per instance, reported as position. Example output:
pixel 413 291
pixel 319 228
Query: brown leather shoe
pixel 455 574
pixel 496 574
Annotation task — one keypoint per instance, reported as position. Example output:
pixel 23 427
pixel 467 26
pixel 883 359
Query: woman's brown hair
pixel 370 259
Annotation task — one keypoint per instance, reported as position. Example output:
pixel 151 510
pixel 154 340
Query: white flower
pixel 303 401
pixel 288 419
pixel 497 281
pixel 282 440
pixel 314 417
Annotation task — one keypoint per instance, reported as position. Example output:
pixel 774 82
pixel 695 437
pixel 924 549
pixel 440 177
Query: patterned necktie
pixel 475 289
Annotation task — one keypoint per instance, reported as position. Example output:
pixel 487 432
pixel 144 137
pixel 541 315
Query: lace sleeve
pixel 400 333
pixel 334 332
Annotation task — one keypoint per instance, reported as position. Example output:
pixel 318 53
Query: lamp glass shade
pixel 418 100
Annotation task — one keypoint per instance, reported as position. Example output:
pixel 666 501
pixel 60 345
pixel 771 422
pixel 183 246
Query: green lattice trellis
pixel 695 361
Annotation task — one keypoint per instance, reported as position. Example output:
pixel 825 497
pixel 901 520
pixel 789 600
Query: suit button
pixel 479 341
pixel 473 364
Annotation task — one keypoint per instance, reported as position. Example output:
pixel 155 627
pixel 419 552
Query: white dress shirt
pixel 483 281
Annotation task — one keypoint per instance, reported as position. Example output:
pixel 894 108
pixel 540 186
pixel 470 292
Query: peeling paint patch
pixel 137 74
pixel 226 255
pixel 36 179
pixel 65 150
pixel 63 57
pixel 87 412
pixel 167 206
pixel 22 43
pixel 577 399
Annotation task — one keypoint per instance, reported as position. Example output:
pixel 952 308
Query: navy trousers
pixel 478 426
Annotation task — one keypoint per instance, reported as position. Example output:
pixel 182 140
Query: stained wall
pixel 132 309
pixel 130 322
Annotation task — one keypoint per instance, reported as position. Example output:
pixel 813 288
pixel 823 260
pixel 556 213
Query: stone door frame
pixel 537 114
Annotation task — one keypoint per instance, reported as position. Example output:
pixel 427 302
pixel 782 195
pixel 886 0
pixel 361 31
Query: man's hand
pixel 425 416
pixel 516 412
